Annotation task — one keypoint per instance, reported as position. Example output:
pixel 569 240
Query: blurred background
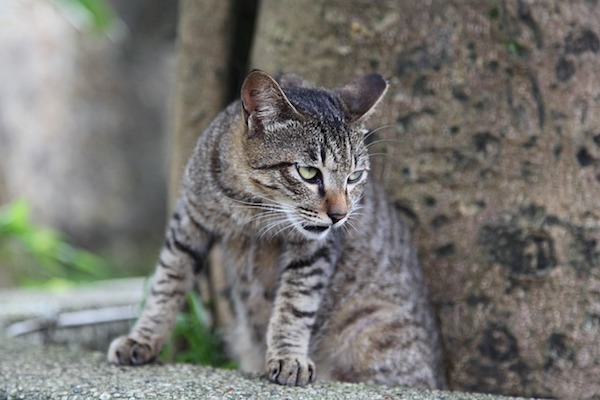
pixel 86 106
pixel 85 97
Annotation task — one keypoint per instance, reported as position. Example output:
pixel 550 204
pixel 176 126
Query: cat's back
pixel 219 134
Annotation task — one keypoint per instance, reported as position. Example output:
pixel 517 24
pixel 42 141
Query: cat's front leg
pixel 181 257
pixel 302 284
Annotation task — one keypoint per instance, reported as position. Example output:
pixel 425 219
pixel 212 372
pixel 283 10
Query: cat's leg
pixel 181 257
pixel 382 343
pixel 301 286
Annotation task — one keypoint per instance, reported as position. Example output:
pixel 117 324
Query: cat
pixel 322 275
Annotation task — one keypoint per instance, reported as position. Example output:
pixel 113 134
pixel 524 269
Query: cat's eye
pixel 355 176
pixel 309 174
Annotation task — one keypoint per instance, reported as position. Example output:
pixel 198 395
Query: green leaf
pixel 42 253
pixel 14 218
pixel 201 344
pixel 95 14
pixel 100 13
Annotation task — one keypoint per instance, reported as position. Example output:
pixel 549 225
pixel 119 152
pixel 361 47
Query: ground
pixel 52 372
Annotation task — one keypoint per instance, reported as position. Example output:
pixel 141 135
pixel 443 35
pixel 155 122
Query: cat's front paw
pixel 291 370
pixel 126 351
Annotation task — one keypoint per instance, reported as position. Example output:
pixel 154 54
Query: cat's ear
pixel 362 95
pixel 264 105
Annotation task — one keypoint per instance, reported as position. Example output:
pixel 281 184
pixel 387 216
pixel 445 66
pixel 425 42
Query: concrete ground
pixel 29 371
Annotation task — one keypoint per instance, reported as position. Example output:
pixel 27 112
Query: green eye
pixel 355 176
pixel 308 173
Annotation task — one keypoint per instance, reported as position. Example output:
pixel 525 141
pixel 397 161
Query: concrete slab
pixel 30 371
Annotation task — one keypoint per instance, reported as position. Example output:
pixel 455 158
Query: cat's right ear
pixel 362 95
pixel 264 105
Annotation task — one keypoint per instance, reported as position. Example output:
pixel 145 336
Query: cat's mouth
pixel 316 228
pixel 315 232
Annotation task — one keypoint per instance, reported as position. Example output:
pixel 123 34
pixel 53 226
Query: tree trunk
pixel 492 151
pixel 205 35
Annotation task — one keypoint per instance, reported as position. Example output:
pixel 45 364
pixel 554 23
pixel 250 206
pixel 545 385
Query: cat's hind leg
pixel 382 343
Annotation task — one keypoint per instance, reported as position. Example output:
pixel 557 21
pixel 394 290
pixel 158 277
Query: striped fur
pixel 321 274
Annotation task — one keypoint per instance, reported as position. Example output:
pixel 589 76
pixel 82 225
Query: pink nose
pixel 336 206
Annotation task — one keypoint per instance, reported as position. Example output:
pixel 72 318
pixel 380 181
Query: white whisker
pixel 289 226
pixel 379 154
pixel 350 225
pixel 276 229
pixel 369 145
pixel 374 131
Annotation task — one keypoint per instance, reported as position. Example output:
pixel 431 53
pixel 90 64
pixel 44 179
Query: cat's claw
pixel 291 371
pixel 126 351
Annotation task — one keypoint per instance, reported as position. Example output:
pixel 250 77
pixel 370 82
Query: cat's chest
pixel 253 268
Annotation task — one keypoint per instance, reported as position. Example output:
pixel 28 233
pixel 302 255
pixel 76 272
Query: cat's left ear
pixel 264 104
pixel 362 95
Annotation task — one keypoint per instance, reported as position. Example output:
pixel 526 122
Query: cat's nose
pixel 336 206
pixel 336 216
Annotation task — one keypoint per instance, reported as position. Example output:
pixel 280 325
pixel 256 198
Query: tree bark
pixel 492 151
pixel 205 35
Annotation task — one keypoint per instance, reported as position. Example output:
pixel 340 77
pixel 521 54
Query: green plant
pixel 41 256
pixel 192 341
pixel 94 15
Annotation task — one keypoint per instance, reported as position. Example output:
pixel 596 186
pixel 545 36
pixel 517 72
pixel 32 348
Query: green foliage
pixel 95 15
pixel 41 255
pixel 100 13
pixel 192 341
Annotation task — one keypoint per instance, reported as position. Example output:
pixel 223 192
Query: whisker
pixel 379 154
pixel 350 225
pixel 373 143
pixel 281 230
pixel 374 131
pixel 289 226
pixel 357 212
pixel 272 212
pixel 258 196
pixel 355 217
pixel 265 217
pixel 275 223
pixel 262 207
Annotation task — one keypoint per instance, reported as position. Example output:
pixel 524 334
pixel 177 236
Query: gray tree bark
pixel 205 34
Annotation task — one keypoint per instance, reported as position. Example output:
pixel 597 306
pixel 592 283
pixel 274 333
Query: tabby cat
pixel 321 274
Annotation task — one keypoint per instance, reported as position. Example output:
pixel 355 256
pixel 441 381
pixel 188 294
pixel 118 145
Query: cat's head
pixel 306 151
